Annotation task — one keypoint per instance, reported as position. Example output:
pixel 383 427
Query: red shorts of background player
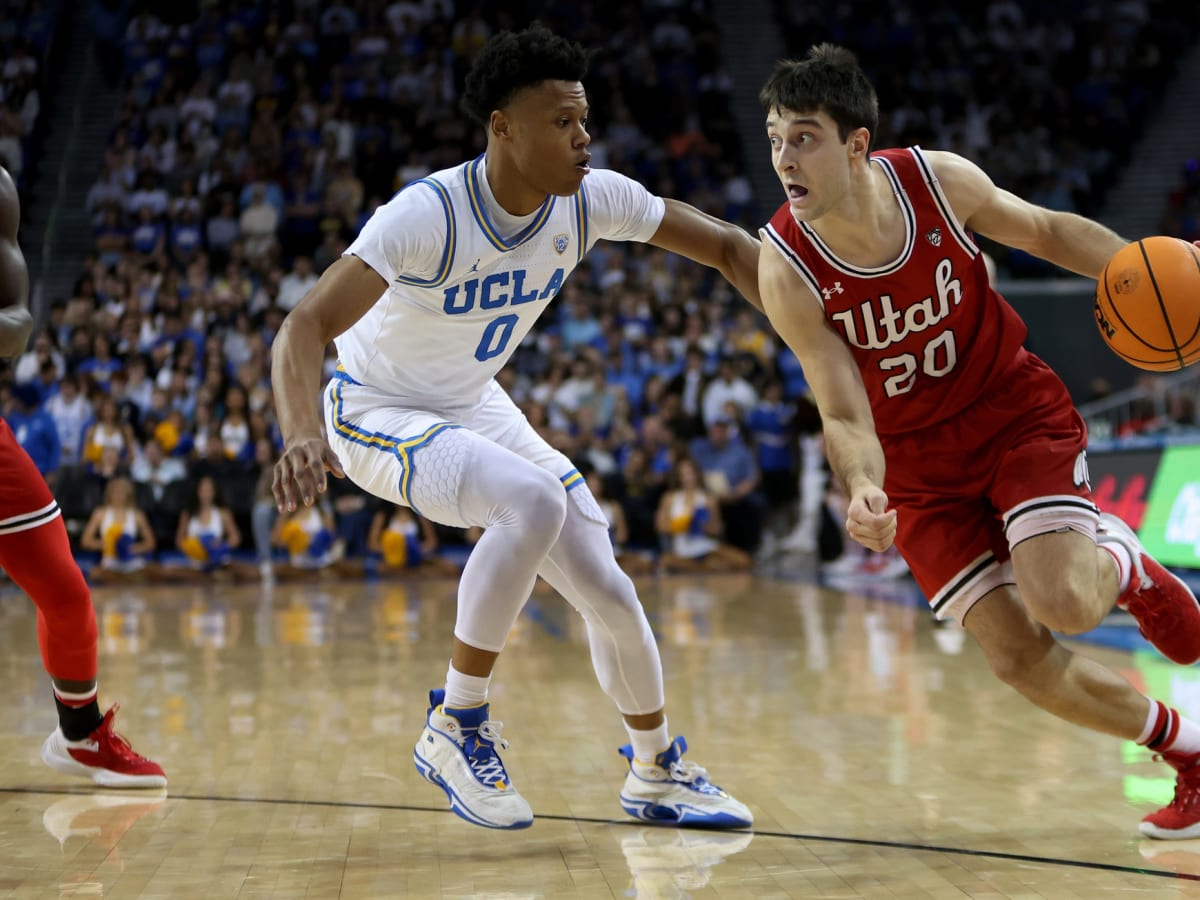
pixel 1009 467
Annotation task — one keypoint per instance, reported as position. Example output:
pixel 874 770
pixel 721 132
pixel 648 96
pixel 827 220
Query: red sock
pixel 39 561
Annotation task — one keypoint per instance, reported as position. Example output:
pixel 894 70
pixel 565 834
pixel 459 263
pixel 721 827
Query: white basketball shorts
pixel 409 456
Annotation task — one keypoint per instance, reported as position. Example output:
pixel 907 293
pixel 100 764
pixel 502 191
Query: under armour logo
pixel 934 236
pixel 1081 471
pixel 836 289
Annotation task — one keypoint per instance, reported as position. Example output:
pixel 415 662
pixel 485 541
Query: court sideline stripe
pixel 632 823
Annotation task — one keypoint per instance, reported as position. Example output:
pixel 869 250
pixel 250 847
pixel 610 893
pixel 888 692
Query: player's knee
pixel 1066 604
pixel 1019 667
pixel 66 607
pixel 618 592
pixel 539 503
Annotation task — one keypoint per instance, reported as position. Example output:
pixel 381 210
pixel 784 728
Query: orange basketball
pixel 1148 304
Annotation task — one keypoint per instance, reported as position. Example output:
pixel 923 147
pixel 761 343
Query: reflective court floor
pixel 879 756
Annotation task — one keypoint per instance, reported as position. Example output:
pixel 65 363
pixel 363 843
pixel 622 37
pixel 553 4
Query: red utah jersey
pixel 927 331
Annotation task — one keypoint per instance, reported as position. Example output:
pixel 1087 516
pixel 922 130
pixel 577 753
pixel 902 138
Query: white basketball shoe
pixel 457 752
pixel 670 791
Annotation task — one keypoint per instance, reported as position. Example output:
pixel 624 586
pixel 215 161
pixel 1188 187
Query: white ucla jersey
pixel 466 280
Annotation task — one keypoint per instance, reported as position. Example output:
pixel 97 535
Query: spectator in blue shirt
pixel 731 476
pixel 34 429
pixel 772 425
pixel 148 235
pixel 101 364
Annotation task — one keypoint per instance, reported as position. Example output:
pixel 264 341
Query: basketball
pixel 1148 304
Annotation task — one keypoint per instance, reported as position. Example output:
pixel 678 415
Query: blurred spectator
pixel 296 283
pixel 108 432
pixel 154 469
pixel 727 387
pixel 770 424
pixel 29 363
pixel 632 563
pixel 257 226
pixel 731 477
pixel 689 518
pixel 71 412
pixel 406 544
pixel 208 535
pixel 119 531
pixel 34 429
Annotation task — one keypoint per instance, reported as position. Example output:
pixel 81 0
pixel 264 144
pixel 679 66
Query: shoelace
pixel 1187 790
pixel 484 761
pixel 118 743
pixel 123 748
pixel 688 772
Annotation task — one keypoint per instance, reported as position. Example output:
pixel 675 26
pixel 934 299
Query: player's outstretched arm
pixel 1065 239
pixel 15 321
pixel 342 296
pixel 713 242
pixel 851 444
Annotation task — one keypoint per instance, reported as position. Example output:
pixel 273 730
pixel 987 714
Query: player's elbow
pixel 15 328
pixel 302 330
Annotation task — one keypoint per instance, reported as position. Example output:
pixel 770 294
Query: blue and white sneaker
pixel 457 752
pixel 670 791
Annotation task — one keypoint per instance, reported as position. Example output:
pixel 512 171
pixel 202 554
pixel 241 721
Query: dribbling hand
pixel 300 472
pixel 869 521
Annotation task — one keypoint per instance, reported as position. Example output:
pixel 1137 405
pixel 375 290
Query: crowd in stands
pixel 254 139
pixel 250 145
pixel 1048 97
pixel 1182 217
pixel 26 31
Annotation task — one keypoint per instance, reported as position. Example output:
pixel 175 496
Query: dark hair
pixel 829 79
pixel 510 61
pixel 218 501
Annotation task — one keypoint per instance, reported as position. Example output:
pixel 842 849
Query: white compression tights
pixel 533 526
pixel 520 505
pixel 582 568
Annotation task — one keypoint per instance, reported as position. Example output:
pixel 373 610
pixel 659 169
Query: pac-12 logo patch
pixel 1081 471
pixel 934 236
pixel 561 241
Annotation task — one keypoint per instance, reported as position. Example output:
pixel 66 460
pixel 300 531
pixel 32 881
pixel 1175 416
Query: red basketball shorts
pixel 36 554
pixel 1011 466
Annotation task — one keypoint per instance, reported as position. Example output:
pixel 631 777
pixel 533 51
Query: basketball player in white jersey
pixel 425 307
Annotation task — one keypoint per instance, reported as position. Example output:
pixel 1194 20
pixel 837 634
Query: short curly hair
pixel 510 61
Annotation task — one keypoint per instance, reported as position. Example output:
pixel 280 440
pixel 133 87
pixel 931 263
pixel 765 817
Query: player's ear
pixel 499 125
pixel 857 142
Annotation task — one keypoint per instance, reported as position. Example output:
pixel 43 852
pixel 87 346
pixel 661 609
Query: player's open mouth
pixel 583 166
pixel 796 191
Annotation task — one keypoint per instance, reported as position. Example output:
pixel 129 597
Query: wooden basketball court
pixel 879 756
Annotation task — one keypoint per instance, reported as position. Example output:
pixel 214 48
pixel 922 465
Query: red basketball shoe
pixel 1181 817
pixel 103 756
pixel 1166 610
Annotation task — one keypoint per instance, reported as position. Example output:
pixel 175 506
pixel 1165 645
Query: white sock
pixel 648 744
pixel 1187 740
pixel 465 691
pixel 1124 562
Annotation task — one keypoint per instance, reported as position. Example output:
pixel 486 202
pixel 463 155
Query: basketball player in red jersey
pixel 36 554
pixel 869 272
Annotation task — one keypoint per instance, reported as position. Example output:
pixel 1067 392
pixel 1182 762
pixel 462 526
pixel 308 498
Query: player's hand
pixel 300 472
pixel 869 521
